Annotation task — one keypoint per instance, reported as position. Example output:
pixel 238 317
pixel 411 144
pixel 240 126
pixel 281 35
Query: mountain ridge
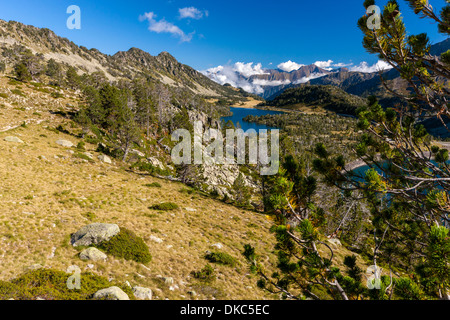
pixel 15 36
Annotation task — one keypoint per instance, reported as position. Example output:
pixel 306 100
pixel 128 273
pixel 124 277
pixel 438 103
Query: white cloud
pixel 364 67
pixel 324 64
pixel 237 75
pixel 248 70
pixel 270 83
pixel 342 65
pixel 192 13
pixel 310 77
pixel 162 26
pixel 289 66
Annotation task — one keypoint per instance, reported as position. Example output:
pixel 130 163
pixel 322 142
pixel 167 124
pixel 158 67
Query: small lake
pixel 240 113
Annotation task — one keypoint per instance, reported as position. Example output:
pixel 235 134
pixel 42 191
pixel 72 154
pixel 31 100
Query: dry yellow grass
pixel 46 193
pixel 250 103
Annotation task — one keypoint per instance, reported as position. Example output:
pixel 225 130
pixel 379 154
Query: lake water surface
pixel 240 113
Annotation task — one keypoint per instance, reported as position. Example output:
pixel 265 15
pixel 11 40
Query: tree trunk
pixel 127 149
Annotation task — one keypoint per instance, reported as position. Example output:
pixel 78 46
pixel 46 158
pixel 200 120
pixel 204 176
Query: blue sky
pixel 217 32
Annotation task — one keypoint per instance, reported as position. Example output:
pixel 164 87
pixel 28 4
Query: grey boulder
pixel 92 254
pixel 112 293
pixel 13 139
pixel 94 234
pixel 142 293
pixel 65 143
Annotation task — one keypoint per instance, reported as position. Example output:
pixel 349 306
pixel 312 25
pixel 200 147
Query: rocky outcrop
pixel 220 179
pixel 156 163
pixel 94 234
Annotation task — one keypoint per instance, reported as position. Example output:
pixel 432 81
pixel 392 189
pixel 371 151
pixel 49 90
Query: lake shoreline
pixel 239 113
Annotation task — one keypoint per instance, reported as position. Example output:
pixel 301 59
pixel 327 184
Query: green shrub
pixel 165 206
pixel 207 274
pixel 56 95
pixel 153 185
pixel 127 245
pixel 90 216
pixel 51 284
pixel 186 190
pixel 4 95
pixel 81 146
pixel 82 156
pixel 221 258
pixel 18 92
pixel 60 128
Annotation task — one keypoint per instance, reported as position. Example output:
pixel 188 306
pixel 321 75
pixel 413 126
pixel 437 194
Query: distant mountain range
pixel 269 83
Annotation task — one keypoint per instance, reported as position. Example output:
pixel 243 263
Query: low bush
pixel 207 274
pixel 127 245
pixel 18 92
pixel 221 258
pixel 80 155
pixel 153 185
pixel 165 206
pixel 51 284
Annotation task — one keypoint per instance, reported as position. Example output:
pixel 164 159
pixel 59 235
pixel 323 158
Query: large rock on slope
pixel 64 143
pixel 92 254
pixel 112 293
pixel 104 158
pixel 13 139
pixel 142 293
pixel 94 234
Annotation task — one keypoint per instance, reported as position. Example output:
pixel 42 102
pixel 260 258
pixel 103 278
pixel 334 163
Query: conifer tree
pixel 407 184
pixel 406 187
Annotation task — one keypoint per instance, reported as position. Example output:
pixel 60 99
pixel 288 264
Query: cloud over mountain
pixel 289 66
pixel 237 75
pixel 364 67
pixel 253 78
pixel 324 64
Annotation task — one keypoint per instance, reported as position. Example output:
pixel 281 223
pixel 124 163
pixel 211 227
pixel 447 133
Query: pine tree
pixel 407 185
pixel 21 72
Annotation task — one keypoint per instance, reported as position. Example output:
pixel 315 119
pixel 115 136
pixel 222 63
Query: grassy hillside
pixel 49 192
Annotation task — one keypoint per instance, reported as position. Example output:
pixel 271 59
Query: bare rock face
pixel 156 162
pixel 112 293
pixel 94 234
